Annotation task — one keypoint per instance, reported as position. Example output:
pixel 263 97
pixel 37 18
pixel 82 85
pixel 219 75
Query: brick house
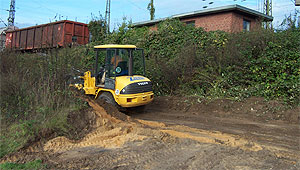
pixel 232 18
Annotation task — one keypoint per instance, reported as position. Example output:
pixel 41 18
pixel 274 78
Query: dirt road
pixel 176 134
pixel 274 135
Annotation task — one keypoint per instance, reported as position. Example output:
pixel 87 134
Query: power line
pixel 137 6
pixel 41 5
pixel 58 13
pixel 3 22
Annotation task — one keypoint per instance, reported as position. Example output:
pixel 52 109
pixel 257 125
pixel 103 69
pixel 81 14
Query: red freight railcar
pixel 56 34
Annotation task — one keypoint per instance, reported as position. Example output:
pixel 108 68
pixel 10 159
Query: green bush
pixel 16 136
pixel 276 73
pixel 35 95
pixel 190 61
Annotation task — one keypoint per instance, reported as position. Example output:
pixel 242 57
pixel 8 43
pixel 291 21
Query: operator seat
pixel 124 68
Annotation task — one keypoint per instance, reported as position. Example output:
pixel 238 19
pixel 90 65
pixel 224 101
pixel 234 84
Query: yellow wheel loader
pixel 121 80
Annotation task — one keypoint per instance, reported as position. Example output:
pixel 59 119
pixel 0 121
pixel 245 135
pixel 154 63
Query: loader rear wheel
pixel 108 98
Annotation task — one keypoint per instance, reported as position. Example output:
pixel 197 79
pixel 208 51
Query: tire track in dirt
pixel 281 138
pixel 115 132
pixel 203 136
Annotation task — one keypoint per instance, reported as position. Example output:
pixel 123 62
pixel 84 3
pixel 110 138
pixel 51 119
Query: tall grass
pixel 34 94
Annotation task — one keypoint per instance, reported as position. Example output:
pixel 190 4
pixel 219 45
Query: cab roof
pixel 114 46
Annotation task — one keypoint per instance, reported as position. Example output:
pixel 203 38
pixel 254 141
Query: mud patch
pixel 203 136
pixel 253 108
pixel 217 138
pixel 118 141
pixel 152 123
pixel 114 133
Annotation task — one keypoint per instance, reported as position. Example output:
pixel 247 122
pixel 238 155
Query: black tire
pixel 108 98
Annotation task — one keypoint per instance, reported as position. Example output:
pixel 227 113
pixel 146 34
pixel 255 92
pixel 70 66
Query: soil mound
pixel 117 140
pixel 112 130
pixel 82 122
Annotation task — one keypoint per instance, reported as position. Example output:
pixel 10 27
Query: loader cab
pixel 119 60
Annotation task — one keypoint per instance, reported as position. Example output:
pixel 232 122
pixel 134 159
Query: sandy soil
pixel 176 133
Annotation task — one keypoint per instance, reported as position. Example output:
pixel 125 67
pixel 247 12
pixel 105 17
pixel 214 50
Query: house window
pixel 246 25
pixel 192 23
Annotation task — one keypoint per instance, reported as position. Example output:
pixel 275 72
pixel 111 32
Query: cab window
pixel 117 62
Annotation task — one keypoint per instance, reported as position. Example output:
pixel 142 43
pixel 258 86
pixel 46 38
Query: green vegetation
pixel 181 60
pixel 16 136
pixel 35 96
pixel 37 164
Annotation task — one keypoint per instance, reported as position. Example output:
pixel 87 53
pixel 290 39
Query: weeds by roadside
pixel 35 95
pixel 34 165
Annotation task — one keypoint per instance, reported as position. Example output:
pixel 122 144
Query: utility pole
pixel 11 18
pixel 151 9
pixel 107 15
pixel 267 9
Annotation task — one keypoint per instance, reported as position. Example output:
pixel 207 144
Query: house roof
pixel 207 12
pixel 114 46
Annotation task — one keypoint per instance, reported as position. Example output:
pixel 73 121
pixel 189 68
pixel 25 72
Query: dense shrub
pixel 276 71
pixel 190 61
pixel 34 94
pixel 33 83
pixel 97 29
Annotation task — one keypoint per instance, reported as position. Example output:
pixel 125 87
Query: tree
pixel 97 27
pixel 151 9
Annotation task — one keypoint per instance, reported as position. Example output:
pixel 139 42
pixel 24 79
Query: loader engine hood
pixel 133 85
